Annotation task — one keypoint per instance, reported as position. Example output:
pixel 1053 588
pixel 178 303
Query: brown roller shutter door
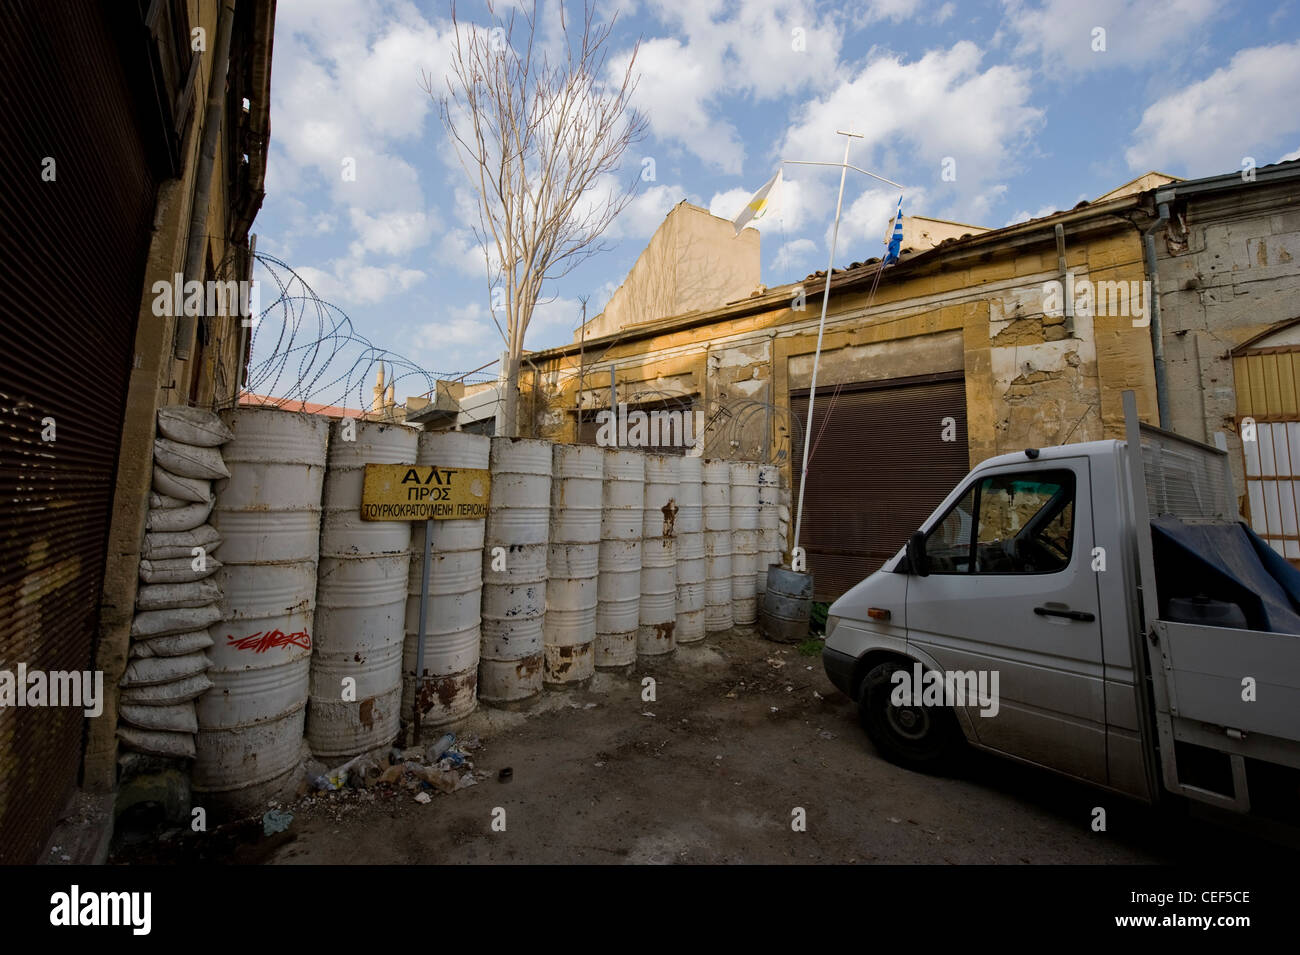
pixel 72 256
pixel 879 466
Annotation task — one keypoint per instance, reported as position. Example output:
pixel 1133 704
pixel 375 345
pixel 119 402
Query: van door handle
pixel 1067 614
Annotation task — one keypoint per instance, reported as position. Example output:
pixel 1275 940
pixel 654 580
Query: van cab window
pixel 1007 524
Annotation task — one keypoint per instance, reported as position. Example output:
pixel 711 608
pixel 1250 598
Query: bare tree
pixel 540 134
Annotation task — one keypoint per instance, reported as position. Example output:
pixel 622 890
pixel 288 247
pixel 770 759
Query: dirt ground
pixel 741 734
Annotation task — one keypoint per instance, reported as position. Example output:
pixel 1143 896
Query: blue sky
pixel 1012 91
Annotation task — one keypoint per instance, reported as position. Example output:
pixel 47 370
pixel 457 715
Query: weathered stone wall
pixel 1229 268
pixel 1031 379
pixel 158 379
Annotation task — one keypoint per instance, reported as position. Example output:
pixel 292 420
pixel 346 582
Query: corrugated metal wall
pixel 1268 382
pixel 72 255
pixel 879 466
pixel 1268 386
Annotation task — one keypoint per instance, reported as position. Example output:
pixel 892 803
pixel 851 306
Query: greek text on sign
pixel 405 492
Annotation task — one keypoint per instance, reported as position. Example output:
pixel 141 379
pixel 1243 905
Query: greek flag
pixel 896 241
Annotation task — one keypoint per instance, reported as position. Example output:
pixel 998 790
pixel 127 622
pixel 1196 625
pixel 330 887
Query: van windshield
pixel 1007 524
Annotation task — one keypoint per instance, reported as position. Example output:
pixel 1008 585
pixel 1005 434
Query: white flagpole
pixel 821 328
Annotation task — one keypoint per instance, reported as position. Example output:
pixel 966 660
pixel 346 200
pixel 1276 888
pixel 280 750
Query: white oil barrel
pixel 658 611
pixel 569 631
pixel 744 543
pixel 769 538
pixel 690 551
pixel 690 501
pixel 356 668
pixel 268 515
pixel 716 497
pixel 514 570
pixel 618 608
pixel 449 689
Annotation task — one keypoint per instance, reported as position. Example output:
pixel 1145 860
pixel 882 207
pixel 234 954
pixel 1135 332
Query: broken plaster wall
pixel 1229 268
pixel 1031 379
pixel 1044 375
pixel 740 407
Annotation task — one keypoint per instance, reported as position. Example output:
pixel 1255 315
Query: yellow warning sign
pixel 406 492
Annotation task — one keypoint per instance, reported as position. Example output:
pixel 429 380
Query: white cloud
pixel 727 205
pixel 394 233
pixel 914 115
pixel 794 253
pixel 865 222
pixel 555 314
pixel 720 50
pixel 1245 108
pixel 892 10
pixel 347 95
pixel 347 284
pixel 464 325
pixel 674 92
pixel 1023 215
pixel 1294 154
pixel 1060 32
pixel 646 212
pixel 979 207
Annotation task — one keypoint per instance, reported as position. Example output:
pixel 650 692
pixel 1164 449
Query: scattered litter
pixel 505 775
pixel 731 695
pixel 469 743
pixel 436 749
pixel 892 819
pixel 825 734
pixel 423 798
pixel 807 668
pixel 817 696
pixel 775 663
pixel 598 765
pixel 774 709
pixel 647 714
pixel 276 820
pixel 789 689
pixel 336 779
pixel 588 706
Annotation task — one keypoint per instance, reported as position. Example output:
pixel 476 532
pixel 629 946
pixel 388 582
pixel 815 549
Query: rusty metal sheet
pixel 72 259
pixel 880 465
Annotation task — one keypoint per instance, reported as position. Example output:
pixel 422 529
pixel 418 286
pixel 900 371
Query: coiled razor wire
pixel 314 354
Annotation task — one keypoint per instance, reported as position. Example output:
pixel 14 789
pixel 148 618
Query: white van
pixel 1028 617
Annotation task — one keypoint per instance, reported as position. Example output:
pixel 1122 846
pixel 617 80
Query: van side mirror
pixel 916 559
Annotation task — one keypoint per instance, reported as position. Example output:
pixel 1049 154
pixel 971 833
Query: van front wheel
pixel 922 738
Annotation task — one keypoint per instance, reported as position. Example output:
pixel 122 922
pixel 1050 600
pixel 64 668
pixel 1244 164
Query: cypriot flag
pixel 758 205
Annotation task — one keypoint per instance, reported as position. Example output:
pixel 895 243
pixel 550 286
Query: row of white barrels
pixel 588 558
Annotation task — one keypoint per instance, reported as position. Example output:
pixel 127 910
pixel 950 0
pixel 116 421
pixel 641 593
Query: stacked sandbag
pixel 178 598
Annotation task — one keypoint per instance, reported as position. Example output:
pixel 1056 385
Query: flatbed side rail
pixel 1174 476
